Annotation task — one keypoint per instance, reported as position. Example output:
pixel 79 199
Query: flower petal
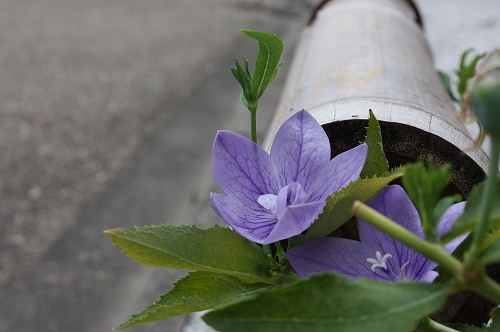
pixel 446 222
pixel 253 224
pixel 242 168
pixel 300 150
pixel 394 203
pixel 429 276
pixel 295 220
pixel 330 254
pixel 339 172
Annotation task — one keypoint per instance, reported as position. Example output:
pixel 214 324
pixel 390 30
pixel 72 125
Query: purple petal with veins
pixel 377 255
pixel 268 198
pixel 235 160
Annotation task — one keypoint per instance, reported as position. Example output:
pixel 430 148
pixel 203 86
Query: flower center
pixel 379 261
pixel 289 195
pixel 404 274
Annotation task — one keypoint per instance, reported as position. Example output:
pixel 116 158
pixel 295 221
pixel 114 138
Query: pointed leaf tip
pixel 376 162
pixel 267 63
pixel 197 291
pixel 215 249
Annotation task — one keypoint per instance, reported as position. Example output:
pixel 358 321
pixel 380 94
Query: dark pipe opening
pixel 405 144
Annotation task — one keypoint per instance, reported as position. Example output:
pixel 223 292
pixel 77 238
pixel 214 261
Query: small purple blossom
pixel 378 256
pixel 270 197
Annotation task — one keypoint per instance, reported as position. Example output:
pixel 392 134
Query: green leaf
pixel 424 187
pixel 445 78
pixel 376 162
pixel 331 302
pixel 472 214
pixel 466 71
pixel 468 328
pixel 267 63
pixel 443 204
pixel 338 207
pixel 216 249
pixel 244 78
pixel 196 292
pixel 490 238
pixel 241 76
pixel 244 100
pixel 491 254
pixel 495 316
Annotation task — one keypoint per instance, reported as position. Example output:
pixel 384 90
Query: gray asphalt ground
pixel 108 110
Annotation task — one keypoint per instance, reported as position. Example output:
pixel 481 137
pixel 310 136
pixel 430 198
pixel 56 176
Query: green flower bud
pixel 484 94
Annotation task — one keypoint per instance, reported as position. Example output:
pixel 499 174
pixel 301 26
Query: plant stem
pixel 253 121
pixel 432 251
pixel 474 279
pixel 486 205
pixel 430 325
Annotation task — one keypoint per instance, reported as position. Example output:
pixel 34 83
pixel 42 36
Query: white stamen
pixel 379 261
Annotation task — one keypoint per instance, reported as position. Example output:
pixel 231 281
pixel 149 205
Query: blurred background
pixel 108 111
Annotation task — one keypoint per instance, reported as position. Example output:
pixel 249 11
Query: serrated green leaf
pixel 196 292
pixel 267 63
pixel 376 163
pixel 331 302
pixel 338 207
pixel 472 214
pixel 468 328
pixel 495 317
pixel 216 249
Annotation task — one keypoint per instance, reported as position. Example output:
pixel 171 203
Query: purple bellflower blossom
pixel 271 197
pixel 378 256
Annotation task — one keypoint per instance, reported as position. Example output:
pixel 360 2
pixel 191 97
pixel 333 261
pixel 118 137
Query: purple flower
pixel 378 256
pixel 273 197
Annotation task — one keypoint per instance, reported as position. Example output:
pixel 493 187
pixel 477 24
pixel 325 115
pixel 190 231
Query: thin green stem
pixel 430 325
pixel 486 206
pixel 432 251
pixel 472 278
pixel 253 122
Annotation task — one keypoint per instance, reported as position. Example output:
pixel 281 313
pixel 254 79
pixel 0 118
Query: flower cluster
pixel 270 197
